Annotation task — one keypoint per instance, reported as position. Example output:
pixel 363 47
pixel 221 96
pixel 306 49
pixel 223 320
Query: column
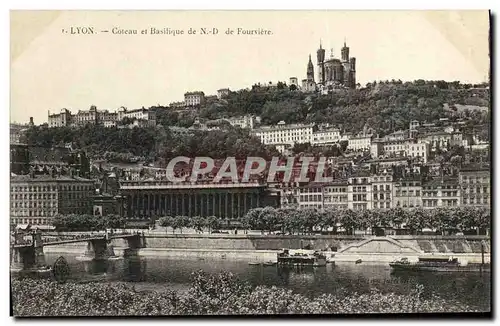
pixel 245 208
pixel 251 199
pixel 239 204
pixel 213 205
pixel 201 205
pixel 226 206
pixel 154 206
pixel 177 204
pixel 143 205
pixel 190 203
pixel 183 209
pixel 171 204
pixel 209 211
pixel 195 204
pixel 219 213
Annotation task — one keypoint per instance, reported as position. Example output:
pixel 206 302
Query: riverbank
pixel 262 248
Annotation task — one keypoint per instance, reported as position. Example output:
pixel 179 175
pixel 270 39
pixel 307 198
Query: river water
pixel 165 273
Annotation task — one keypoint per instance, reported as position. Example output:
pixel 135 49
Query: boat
pixel 359 261
pixel 438 264
pixel 253 264
pixel 269 263
pixel 301 258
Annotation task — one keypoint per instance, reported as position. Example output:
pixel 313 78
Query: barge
pixel 438 264
pixel 301 258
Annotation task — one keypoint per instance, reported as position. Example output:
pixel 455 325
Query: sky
pixel 51 69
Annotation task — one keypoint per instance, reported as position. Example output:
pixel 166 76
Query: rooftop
pixel 45 178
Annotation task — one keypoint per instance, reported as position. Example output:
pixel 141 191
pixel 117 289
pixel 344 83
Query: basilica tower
pixel 345 53
pixel 310 70
pixel 321 63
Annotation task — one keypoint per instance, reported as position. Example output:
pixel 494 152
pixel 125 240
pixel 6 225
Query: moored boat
pixel 438 264
pixel 301 258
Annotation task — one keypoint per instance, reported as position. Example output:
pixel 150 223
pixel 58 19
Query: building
pixel 154 198
pixel 18 132
pixel 408 192
pixel 105 118
pixel 178 105
pixel 61 119
pixel 382 188
pixel 285 134
pixel 37 199
pixel 475 186
pixel 400 148
pixel 222 93
pixel 441 139
pixel 19 159
pixel 294 81
pixel 310 196
pixel 194 98
pixel 441 193
pixel 361 142
pixel 140 114
pixel 328 136
pixel 308 84
pixel 244 122
pixel 44 160
pixel 335 72
pixel 359 192
pixel 335 195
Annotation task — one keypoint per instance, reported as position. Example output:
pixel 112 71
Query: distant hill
pixel 384 106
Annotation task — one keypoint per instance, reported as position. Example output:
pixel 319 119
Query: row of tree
pixel 197 223
pixel 307 221
pixel 301 221
pixel 87 222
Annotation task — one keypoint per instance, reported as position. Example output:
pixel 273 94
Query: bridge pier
pixel 28 258
pixel 134 242
pixel 97 249
pixel 17 258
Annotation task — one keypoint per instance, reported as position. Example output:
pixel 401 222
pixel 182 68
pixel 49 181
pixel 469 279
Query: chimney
pixel 31 122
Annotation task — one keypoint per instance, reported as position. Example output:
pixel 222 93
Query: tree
pixel 213 223
pixel 251 219
pixel 198 223
pixel 166 221
pixel 180 222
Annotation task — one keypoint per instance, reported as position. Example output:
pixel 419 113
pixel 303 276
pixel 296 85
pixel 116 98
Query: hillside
pixel 383 106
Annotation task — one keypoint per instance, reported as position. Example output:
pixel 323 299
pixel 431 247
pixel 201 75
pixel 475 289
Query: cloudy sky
pixel 51 70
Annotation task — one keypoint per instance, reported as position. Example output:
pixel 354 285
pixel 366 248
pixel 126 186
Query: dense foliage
pixel 150 144
pixel 87 222
pixel 198 223
pixel 220 294
pixel 297 221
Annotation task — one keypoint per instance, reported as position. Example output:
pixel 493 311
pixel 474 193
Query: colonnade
pixel 230 204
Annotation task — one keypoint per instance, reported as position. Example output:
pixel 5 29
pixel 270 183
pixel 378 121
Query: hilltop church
pixel 332 72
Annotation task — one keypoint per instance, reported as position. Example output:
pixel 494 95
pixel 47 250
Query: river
pixel 163 273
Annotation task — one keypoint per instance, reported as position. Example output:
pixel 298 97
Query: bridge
pixel 28 254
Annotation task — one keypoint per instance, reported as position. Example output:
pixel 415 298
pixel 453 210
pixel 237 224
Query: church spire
pixel 310 69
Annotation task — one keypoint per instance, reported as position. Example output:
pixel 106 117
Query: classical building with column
pixel 154 198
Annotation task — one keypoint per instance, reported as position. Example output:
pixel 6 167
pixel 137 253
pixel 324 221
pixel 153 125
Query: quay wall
pixel 204 243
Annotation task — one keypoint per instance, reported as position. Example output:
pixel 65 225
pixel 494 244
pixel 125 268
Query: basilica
pixel 333 73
